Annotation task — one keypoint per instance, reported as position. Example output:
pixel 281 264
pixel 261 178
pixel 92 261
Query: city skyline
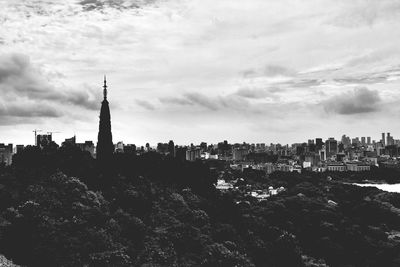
pixel 193 72
pixel 359 138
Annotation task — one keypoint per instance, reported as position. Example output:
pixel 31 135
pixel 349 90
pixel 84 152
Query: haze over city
pixel 192 71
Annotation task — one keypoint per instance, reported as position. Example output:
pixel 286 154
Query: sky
pixel 259 71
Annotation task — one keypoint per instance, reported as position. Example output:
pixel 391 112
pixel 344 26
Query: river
pixel 395 188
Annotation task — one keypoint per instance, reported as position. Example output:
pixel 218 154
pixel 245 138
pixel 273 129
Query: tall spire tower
pixel 105 146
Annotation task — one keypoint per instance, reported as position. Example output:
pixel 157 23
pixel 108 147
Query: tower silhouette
pixel 105 146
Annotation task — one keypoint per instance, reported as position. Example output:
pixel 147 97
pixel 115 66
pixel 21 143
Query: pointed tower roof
pixel 105 147
pixel 105 88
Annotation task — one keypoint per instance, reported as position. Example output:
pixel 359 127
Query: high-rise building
pixel 368 140
pixel 318 143
pixel 331 146
pixel 363 141
pixel 239 153
pixel 19 149
pixel 383 139
pixel 171 148
pixel 389 140
pixel 193 154
pixel 346 141
pixel 105 146
pixel 6 152
pixel 43 140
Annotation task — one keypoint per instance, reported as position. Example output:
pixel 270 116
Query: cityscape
pixel 318 155
pixel 169 133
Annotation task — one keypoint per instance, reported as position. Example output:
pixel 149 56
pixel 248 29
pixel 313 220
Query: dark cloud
pixel 175 100
pixel 363 80
pixel 252 93
pixel 145 104
pixel 21 81
pixel 233 102
pixel 29 111
pixel 306 82
pixel 228 102
pixel 360 100
pixel 268 71
pixel 88 99
pixel 257 93
pixel 202 100
pixel 249 72
pixel 89 5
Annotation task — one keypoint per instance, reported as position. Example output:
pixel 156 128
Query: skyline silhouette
pixel 257 72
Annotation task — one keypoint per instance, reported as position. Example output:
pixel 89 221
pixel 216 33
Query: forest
pixel 58 207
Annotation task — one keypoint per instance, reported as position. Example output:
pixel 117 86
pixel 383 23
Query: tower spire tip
pixel 105 88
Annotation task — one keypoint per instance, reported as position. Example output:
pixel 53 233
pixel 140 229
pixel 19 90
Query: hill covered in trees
pixel 58 208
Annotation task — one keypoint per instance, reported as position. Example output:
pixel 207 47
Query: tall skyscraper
pixel 389 140
pixel 363 141
pixel 368 140
pixel 318 143
pixel 171 148
pixel 105 146
pixel 331 146
pixel 383 139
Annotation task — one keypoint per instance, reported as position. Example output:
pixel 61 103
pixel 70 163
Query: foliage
pixel 58 209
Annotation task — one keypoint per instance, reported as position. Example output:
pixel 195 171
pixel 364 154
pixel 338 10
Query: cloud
pixel 268 71
pixel 276 70
pixel 259 93
pixel 213 103
pixel 360 100
pixel 145 104
pixel 202 100
pixel 252 93
pixel 29 111
pixel 21 80
pixel 364 12
pixel 89 5
pixel 175 100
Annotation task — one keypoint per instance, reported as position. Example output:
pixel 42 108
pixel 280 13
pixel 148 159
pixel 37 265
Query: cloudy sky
pixel 200 70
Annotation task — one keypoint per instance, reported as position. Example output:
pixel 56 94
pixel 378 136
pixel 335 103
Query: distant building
pixel 346 141
pixel 357 167
pixel 389 140
pixel 331 147
pixel 130 149
pixel 193 154
pixel 87 146
pixel 383 139
pixel 119 147
pixel 336 167
pixel 19 149
pixel 71 141
pixel 363 141
pixel 322 154
pixel 318 143
pixel 171 148
pixel 239 154
pixel 43 140
pixel 6 152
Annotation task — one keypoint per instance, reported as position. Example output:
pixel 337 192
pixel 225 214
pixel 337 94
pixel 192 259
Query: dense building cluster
pixel 348 154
